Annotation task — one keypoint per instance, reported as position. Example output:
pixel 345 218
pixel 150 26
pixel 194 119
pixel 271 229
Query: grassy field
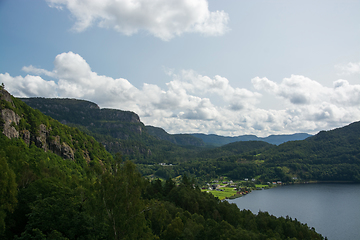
pixel 227 193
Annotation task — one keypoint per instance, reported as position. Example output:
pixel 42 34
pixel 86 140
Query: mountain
pixel 327 156
pixel 21 121
pixel 115 123
pixel 56 182
pixel 332 155
pixel 217 140
pixel 119 131
pixel 179 139
pixel 126 125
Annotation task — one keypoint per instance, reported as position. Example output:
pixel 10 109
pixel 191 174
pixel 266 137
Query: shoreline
pixel 235 196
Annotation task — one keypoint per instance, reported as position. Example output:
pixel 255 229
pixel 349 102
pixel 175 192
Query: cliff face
pixel 10 120
pixel 111 127
pixel 116 123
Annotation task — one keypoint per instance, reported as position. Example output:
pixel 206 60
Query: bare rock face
pixel 66 151
pixel 5 95
pixel 61 149
pixel 10 119
pixel 40 140
pixel 25 135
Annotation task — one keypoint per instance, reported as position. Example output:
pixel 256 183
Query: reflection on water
pixel 333 209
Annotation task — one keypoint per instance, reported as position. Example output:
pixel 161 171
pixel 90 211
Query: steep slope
pixel 18 120
pixel 116 123
pixel 118 131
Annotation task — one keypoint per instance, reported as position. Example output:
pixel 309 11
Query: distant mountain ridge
pixel 179 139
pixel 328 156
pixel 216 140
pixel 126 125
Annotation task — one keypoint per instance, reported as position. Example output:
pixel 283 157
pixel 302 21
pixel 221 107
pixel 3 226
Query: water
pixel 332 209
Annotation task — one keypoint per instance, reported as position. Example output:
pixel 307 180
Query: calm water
pixel 332 209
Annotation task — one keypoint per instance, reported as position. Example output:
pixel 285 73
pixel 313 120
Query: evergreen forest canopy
pixel 56 182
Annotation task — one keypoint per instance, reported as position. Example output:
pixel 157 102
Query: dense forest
pixel 57 182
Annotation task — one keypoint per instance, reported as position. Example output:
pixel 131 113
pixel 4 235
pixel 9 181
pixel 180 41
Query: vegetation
pixel 327 156
pixel 44 196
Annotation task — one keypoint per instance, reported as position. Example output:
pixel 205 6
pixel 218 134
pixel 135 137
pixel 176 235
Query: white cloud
pixel 298 90
pixel 349 69
pixel 195 103
pixel 345 94
pixel 37 71
pixel 28 86
pixel 164 19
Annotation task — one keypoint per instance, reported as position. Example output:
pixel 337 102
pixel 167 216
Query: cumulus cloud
pixel 349 69
pixel 164 19
pixel 298 90
pixel 191 102
pixel 28 86
pixel 345 94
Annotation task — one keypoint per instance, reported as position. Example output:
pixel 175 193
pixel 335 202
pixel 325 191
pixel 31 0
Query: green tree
pixel 8 190
pixel 119 195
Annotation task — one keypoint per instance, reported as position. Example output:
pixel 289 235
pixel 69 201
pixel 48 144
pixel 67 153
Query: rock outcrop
pixel 10 120
pixel 5 95
pixel 119 125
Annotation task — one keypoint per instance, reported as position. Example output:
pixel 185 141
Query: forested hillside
pixel 58 183
pixel 327 156
pixel 118 131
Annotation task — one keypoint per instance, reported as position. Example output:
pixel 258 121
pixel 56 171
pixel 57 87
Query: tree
pixel 58 212
pixel 119 195
pixel 8 190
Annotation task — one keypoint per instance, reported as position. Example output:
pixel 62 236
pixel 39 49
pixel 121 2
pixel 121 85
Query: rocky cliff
pixel 40 136
pixel 116 123
pixel 113 128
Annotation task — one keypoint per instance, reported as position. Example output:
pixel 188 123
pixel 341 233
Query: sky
pixel 226 67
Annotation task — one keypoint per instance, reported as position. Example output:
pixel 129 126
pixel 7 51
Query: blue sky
pixel 226 67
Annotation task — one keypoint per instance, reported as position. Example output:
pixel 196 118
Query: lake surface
pixel 332 209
